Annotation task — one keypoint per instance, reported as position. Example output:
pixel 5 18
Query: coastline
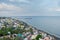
pixel 39 31
pixel 57 38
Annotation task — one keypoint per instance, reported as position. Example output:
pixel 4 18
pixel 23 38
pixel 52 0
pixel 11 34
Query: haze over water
pixel 50 24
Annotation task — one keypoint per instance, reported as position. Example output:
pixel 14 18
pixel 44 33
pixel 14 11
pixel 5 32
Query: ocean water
pixel 50 24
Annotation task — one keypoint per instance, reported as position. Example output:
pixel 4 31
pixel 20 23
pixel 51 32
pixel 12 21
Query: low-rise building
pixel 46 38
pixel 33 36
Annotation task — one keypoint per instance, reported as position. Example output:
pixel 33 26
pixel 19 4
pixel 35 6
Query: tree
pixel 31 30
pixel 38 36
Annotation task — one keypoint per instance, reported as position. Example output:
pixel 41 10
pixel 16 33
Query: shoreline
pixel 57 38
pixel 39 31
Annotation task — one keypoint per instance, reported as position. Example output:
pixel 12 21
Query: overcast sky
pixel 29 7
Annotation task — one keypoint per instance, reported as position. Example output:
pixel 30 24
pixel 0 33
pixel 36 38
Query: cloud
pixel 9 7
pixel 26 1
pixel 10 10
pixel 54 9
pixel 6 13
pixel 30 7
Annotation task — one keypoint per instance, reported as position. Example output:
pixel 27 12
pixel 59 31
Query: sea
pixel 50 24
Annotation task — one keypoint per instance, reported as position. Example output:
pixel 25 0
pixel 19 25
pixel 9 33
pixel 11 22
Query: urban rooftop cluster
pixel 14 29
